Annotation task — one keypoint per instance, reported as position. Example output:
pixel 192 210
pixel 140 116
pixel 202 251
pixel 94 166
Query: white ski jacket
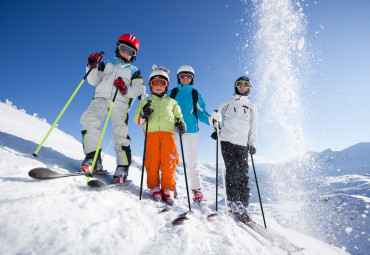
pixel 239 121
pixel 104 76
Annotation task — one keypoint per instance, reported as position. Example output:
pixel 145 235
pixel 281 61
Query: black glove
pixel 252 150
pixel 121 85
pixel 146 111
pixel 214 135
pixel 92 58
pixel 180 126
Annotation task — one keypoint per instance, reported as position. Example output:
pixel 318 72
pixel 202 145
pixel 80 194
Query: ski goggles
pixel 188 76
pixel 158 82
pixel 244 84
pixel 125 48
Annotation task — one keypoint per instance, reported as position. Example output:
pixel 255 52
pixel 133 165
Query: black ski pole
pixel 142 167
pixel 183 161
pixel 259 195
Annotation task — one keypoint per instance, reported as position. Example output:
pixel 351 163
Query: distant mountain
pixel 353 160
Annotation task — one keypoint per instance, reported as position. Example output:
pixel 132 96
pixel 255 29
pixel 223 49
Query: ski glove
pixel 252 150
pixel 92 59
pixel 215 117
pixel 119 83
pixel 180 126
pixel 146 111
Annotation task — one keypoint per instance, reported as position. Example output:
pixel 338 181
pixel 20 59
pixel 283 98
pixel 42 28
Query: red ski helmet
pixel 130 40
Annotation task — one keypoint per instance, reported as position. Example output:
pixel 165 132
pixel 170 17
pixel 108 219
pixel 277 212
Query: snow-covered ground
pixel 64 216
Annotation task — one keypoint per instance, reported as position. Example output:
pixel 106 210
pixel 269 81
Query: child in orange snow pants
pixel 163 115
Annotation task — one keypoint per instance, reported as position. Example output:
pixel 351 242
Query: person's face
pixel 158 90
pixel 125 55
pixel 185 78
pixel 158 85
pixel 185 81
pixel 242 90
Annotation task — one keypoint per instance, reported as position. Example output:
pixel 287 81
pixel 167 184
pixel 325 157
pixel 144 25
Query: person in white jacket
pixel 108 76
pixel 238 120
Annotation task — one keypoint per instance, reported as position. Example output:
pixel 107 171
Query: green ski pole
pixel 67 104
pixel 102 135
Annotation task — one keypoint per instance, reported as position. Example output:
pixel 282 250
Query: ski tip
pixel 166 209
pixel 97 184
pixel 212 216
pixel 180 220
pixel 42 173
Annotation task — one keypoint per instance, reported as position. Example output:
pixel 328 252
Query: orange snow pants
pixel 161 153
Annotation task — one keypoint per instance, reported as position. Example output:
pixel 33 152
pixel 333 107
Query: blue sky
pixel 46 43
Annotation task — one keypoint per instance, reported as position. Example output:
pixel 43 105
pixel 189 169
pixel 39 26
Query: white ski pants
pixel 190 145
pixel 93 117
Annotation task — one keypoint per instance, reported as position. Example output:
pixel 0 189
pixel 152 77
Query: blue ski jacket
pixel 184 98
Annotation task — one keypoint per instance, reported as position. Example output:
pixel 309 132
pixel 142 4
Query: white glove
pixel 215 116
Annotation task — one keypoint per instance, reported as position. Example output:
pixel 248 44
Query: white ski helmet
pixel 159 72
pixel 185 69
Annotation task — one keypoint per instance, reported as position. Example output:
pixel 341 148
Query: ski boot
pixel 120 175
pixel 156 194
pixel 198 196
pixel 168 196
pixel 240 209
pixel 87 163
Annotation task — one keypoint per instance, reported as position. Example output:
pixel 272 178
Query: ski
pixel 211 216
pixel 182 218
pixel 43 173
pixel 204 209
pixel 98 184
pixel 276 239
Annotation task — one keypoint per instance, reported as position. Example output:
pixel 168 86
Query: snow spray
pixel 279 51
pixel 279 59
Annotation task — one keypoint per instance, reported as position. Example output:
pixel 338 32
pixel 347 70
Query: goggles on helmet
pixel 244 84
pixel 188 76
pixel 158 82
pixel 125 48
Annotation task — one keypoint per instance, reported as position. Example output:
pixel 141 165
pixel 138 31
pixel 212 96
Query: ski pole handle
pixel 92 67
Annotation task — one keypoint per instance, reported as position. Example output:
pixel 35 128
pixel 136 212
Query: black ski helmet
pixel 242 78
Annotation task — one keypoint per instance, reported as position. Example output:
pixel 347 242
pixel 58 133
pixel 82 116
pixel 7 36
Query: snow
pixel 64 216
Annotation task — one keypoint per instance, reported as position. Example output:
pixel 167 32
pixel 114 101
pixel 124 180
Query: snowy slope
pixel 325 195
pixel 64 216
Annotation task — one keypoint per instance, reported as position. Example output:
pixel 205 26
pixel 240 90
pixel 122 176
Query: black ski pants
pixel 237 179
